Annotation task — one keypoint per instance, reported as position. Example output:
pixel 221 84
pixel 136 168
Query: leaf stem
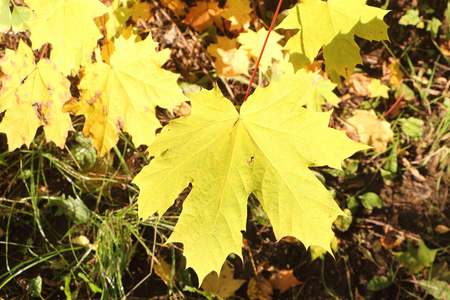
pixel 393 106
pixel 44 49
pixel 105 33
pixel 262 50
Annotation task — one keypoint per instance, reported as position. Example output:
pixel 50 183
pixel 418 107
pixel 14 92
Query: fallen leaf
pixel 142 10
pixel 177 6
pixel 163 270
pixel 415 259
pixel 33 96
pixel 392 238
pixel 123 95
pixel 322 90
pixel 253 42
pixel 359 84
pixel 377 89
pixel 203 15
pixel 372 131
pixel 230 61
pixel 259 288
pixel 238 13
pixel 183 109
pixel 225 285
pixel 284 280
pixel 441 229
pixel 77 34
pixel 396 76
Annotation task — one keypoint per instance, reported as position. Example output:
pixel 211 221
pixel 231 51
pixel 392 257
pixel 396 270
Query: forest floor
pixel 69 219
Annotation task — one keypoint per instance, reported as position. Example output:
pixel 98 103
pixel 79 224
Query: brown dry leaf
pixel 259 288
pixel 163 270
pixel 441 229
pixel 225 285
pixel 177 6
pixel 360 84
pixel 391 238
pixel 203 15
pixel 238 13
pixel 372 131
pixel 284 280
pixel 182 110
pixel 230 61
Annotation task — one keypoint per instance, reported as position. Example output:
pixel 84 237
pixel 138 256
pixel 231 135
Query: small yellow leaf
pixel 238 13
pixel 230 61
pixel 377 89
pixel 372 131
pixel 253 42
pixel 396 74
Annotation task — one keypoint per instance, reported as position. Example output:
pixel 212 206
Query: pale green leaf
pixel 370 200
pixel 416 258
pixel 436 288
pixel 265 149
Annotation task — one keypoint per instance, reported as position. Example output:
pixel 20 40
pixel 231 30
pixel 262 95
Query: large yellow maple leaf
pixel 332 25
pixel 124 94
pixel 33 96
pixel 69 26
pixel 266 149
pixel 253 42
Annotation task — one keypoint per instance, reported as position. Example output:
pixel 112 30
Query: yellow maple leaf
pixel 238 13
pixel 177 6
pixel 230 61
pixel 332 25
pixel 265 149
pixel 372 131
pixel 203 15
pixel 124 94
pixel 33 96
pixel 69 26
pixel 253 42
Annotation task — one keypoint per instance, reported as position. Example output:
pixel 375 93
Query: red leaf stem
pixel 393 106
pixel 262 50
